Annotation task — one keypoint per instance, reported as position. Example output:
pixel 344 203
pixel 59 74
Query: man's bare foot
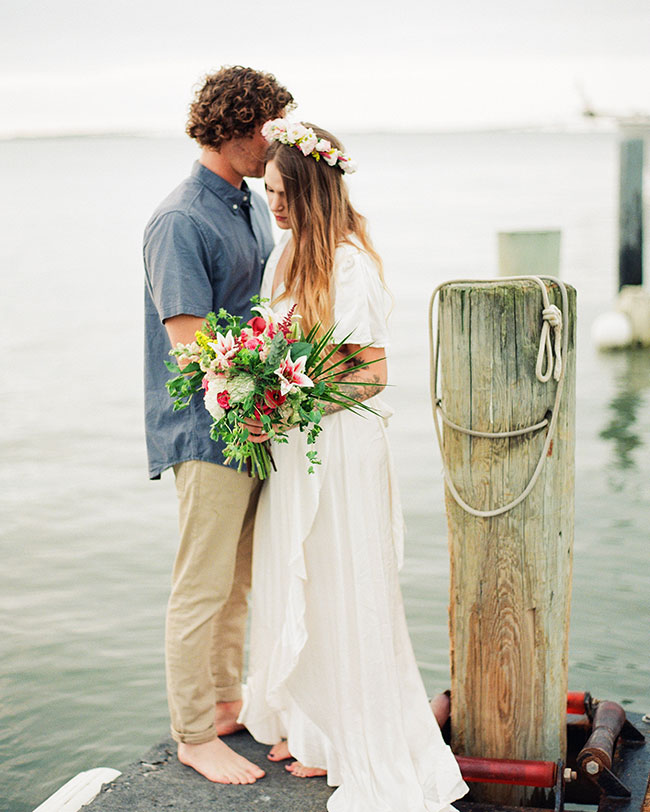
pixel 299 770
pixel 279 751
pixel 218 763
pixel 441 707
pixel 226 717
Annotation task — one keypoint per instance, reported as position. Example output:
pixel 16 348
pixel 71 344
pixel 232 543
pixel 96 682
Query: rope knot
pixel 553 315
pixel 551 319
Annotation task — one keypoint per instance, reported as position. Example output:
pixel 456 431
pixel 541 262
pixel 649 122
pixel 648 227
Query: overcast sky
pixel 83 65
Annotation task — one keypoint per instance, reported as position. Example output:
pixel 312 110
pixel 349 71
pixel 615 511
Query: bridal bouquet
pixel 266 369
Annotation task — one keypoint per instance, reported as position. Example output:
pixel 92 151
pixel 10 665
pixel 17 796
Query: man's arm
pixel 181 330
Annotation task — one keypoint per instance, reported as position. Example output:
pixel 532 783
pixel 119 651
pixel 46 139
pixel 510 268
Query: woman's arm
pixel 356 383
pixel 363 383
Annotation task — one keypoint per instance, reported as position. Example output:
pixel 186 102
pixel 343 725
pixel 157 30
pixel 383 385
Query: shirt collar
pixel 234 198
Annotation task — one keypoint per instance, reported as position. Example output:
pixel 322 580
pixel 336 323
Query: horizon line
pixel 577 126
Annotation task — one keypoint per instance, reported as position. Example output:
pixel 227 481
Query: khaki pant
pixel 207 609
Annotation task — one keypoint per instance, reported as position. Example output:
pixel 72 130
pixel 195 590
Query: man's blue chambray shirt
pixel 204 248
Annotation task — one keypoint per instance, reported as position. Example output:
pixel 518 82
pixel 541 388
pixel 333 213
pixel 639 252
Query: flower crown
pixel 295 134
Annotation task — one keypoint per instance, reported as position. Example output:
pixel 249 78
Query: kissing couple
pixel 332 683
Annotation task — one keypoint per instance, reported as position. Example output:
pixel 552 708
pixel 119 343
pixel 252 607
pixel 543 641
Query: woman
pixel 333 681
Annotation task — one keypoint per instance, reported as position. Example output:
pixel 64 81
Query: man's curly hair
pixel 233 103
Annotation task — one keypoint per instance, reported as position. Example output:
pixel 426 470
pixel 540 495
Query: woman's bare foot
pixel 226 717
pixel 441 707
pixel 299 770
pixel 218 763
pixel 279 751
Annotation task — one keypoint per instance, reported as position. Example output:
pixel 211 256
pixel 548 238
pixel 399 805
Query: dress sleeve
pixel 360 303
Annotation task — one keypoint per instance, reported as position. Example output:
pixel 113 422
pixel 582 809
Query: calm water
pixel 88 541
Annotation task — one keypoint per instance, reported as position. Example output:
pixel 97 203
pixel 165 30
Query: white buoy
pixel 612 331
pixel 78 791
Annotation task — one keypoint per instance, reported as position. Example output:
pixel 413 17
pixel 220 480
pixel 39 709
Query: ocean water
pixel 88 541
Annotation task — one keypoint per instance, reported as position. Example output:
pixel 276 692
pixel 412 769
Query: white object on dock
pixel 78 791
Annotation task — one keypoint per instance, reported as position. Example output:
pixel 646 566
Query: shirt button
pixel 235 206
pixel 245 198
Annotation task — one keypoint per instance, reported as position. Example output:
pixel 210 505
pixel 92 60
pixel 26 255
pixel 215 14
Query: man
pixel 204 248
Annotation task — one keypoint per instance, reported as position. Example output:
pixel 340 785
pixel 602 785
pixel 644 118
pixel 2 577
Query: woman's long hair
pixel 321 218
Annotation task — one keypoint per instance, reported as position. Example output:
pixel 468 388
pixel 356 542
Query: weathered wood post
pixel 510 574
pixel 630 213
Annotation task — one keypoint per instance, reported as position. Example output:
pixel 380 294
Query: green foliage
pixel 303 407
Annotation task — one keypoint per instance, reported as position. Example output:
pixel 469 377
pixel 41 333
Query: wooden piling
pixel 529 252
pixel 510 574
pixel 630 241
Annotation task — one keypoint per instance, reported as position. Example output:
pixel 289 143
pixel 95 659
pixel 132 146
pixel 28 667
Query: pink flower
pixel 292 374
pixel 250 340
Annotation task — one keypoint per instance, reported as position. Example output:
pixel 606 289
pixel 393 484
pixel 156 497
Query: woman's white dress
pixel 331 665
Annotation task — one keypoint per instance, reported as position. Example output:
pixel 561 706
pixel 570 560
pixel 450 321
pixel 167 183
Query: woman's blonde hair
pixel 321 218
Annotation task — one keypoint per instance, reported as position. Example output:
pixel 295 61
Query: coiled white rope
pixel 555 354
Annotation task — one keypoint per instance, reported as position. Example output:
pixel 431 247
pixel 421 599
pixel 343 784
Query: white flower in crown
pixel 347 164
pixel 296 131
pixel 275 129
pixel 308 143
pixel 331 156
pixel 295 134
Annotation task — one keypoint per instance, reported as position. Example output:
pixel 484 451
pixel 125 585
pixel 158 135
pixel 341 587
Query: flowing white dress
pixel 331 665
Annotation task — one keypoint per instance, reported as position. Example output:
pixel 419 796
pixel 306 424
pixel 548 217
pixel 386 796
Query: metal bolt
pixel 592 767
pixel 570 775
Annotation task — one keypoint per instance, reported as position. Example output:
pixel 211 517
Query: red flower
pixel 258 324
pixel 223 399
pixel 262 408
pixel 274 398
pixel 285 324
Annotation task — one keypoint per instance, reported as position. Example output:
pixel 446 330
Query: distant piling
pixel 529 252
pixel 630 218
pixel 511 573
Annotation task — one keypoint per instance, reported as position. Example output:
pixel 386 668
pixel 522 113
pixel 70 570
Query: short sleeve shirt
pixel 205 247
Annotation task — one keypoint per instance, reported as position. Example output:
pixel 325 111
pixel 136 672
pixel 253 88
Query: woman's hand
pixel 256 432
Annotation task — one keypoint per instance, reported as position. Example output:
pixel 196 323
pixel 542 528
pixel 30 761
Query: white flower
pixel 347 164
pixel 331 157
pixel 275 129
pixel 210 400
pixel 308 143
pixel 269 316
pixel 323 145
pixel 296 131
pixel 217 382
